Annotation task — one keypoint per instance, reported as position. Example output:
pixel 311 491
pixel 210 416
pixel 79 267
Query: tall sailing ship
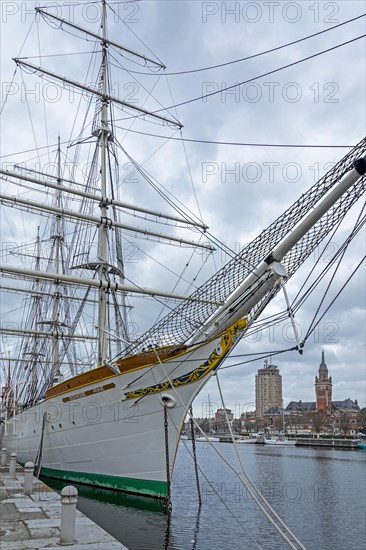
pixel 87 399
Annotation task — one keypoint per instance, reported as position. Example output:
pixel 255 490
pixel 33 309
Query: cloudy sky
pixel 237 190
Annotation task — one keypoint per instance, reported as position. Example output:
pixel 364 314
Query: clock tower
pixel 323 387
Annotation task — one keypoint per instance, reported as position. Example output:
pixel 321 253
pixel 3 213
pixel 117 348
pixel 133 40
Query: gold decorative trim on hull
pixel 212 364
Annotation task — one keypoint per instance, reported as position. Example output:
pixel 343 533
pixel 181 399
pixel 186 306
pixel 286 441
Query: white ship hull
pixel 109 435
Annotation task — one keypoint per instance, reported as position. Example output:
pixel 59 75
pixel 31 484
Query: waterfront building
pixel 300 407
pixel 220 418
pixel 320 416
pixel 323 414
pixel 268 388
pixel 323 387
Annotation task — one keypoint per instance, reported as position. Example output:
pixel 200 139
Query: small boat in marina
pixel 247 440
pixel 280 441
pixel 362 446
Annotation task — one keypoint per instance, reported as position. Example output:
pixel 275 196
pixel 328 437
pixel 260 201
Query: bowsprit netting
pixel 188 317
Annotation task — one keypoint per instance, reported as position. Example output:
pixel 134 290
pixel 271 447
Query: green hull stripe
pixel 156 489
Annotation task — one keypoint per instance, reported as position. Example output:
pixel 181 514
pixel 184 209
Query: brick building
pixel 323 388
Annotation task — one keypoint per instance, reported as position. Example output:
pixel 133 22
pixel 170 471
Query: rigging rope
pixel 273 71
pixel 251 488
pixel 334 299
pixel 238 143
pixel 256 494
pixel 219 496
pixel 39 457
pixel 340 253
pixel 176 326
pixel 231 143
pixel 208 68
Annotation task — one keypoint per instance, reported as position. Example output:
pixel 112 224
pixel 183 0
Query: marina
pixel 311 483
pixel 335 443
pixel 317 490
pixel 349 443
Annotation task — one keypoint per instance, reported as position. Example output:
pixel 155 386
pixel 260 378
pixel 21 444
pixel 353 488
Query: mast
pixel 37 316
pixel 104 134
pixel 9 377
pixel 56 297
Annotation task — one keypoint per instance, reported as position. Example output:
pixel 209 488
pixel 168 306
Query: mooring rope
pixel 195 455
pixel 246 486
pixel 168 501
pixel 255 489
pixel 39 457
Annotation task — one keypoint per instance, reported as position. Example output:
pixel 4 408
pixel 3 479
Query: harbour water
pixel 319 493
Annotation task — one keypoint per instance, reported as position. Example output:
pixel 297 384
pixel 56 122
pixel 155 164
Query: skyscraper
pixel 268 388
pixel 323 387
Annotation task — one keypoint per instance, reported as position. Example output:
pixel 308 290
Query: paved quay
pixel 32 521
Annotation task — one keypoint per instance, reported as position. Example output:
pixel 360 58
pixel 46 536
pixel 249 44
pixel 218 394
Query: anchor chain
pixel 195 455
pixel 168 502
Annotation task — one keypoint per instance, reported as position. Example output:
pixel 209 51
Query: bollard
pixel 13 464
pixel 69 498
pixel 28 477
pixel 3 456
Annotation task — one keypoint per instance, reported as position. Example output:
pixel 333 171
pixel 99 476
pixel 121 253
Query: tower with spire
pixel 323 387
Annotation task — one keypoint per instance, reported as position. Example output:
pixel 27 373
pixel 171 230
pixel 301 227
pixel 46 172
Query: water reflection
pixel 196 528
pixel 137 522
pixel 319 493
